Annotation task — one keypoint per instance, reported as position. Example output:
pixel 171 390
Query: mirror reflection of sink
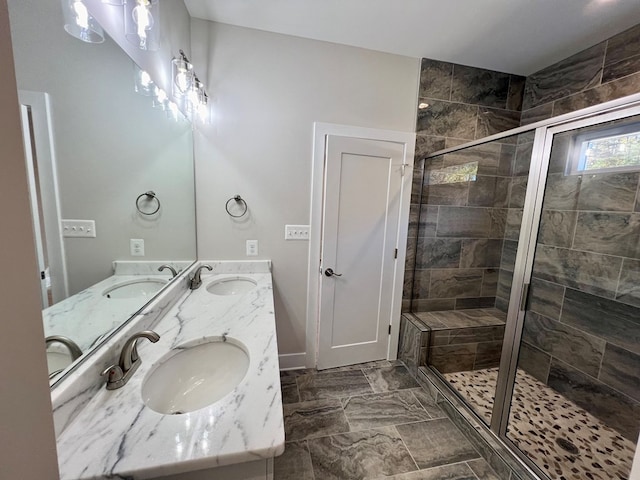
pixel 187 379
pixel 141 288
pixel 231 286
pixel 58 360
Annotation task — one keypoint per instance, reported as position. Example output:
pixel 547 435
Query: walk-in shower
pixel 526 287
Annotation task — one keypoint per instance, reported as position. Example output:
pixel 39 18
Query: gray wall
pixel 111 146
pixel 28 444
pixel 268 91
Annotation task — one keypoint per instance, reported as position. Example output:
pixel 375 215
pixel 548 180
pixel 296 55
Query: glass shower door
pixel 575 407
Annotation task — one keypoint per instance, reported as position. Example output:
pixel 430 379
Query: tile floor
pixel 370 421
pixel 562 438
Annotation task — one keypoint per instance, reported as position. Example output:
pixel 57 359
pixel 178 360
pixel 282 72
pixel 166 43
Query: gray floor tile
pixel 436 442
pixel 314 419
pixel 428 403
pixel 290 393
pixel 294 463
pixel 382 409
pixel 360 455
pixel 459 471
pixel 332 385
pixel 483 470
pixel 358 366
pixel 390 378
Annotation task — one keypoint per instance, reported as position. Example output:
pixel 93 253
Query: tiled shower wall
pixel 608 70
pixel 582 335
pixel 460 224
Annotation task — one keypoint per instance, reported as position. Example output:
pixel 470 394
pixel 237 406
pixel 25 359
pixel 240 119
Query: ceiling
pixel 514 36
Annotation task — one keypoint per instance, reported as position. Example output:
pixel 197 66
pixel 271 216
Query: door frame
pixel 43 140
pixel 320 132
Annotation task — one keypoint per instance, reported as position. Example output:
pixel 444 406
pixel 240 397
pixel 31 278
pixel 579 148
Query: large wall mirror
pixel 94 149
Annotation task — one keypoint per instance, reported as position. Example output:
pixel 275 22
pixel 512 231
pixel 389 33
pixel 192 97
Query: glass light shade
pixel 182 73
pixel 79 23
pixel 142 82
pixel 141 23
pixel 160 98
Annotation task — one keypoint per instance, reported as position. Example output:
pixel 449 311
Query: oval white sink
pixel 187 379
pixel 231 286
pixel 57 361
pixel 142 288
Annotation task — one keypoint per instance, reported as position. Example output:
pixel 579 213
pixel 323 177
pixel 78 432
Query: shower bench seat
pixel 463 340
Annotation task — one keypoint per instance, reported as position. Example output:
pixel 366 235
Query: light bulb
pixel 161 95
pixel 182 80
pixel 145 79
pixel 144 21
pixel 82 14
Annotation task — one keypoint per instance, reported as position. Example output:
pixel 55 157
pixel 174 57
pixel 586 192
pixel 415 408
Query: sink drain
pixel 567 446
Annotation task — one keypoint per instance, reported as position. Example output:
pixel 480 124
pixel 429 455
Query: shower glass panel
pixel 470 215
pixel 576 400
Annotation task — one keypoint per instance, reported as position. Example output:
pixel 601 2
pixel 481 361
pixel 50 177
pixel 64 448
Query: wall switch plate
pixel 296 232
pixel 252 248
pixel 79 228
pixel 136 247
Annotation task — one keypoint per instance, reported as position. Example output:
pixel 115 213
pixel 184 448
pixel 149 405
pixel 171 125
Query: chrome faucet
pixel 173 270
pixel 196 281
pixel 72 346
pixel 118 375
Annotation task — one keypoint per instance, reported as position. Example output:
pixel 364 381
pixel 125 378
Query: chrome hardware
pixel 119 375
pixel 196 281
pixel 73 348
pixel 330 273
pixel 168 267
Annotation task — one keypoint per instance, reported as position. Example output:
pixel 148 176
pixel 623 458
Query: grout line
pixel 406 447
pixel 313 473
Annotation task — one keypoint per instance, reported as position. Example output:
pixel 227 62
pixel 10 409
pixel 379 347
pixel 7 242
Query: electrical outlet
pixel 296 232
pixel 136 247
pixel 79 228
pixel 252 248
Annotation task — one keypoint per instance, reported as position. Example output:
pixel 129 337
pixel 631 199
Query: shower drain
pixel 566 445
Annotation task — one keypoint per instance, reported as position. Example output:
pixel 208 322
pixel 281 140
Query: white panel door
pixel 362 201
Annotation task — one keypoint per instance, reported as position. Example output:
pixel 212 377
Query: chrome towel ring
pixel 149 196
pixel 239 200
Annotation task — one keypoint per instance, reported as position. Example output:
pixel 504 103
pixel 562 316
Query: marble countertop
pixel 117 435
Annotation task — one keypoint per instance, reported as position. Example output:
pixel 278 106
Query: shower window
pixel 613 149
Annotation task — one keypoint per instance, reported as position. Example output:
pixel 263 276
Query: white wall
pixel 268 90
pixel 111 145
pixel 28 449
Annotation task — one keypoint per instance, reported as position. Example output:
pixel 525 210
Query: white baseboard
pixel 292 361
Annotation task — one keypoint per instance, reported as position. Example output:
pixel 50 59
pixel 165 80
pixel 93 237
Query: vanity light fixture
pixel 182 73
pixel 189 90
pixel 140 19
pixel 79 23
pixel 160 98
pixel 143 83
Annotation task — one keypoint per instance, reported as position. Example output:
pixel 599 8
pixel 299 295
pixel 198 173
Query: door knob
pixel 330 273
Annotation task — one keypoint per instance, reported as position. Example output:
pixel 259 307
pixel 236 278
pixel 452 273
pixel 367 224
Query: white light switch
pixel 79 228
pixel 296 232
pixel 252 248
pixel 136 247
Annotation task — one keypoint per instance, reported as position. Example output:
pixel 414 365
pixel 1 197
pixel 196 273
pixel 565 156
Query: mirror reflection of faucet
pixel 119 375
pixel 174 273
pixel 72 346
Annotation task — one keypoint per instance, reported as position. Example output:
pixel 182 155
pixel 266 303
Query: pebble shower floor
pixel 563 439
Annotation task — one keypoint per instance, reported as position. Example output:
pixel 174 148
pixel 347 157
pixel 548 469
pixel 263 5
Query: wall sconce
pixel 182 73
pixel 140 18
pixel 142 82
pixel 188 89
pixel 79 23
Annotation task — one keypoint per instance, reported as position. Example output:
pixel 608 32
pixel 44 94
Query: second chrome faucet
pixel 119 375
pixel 196 281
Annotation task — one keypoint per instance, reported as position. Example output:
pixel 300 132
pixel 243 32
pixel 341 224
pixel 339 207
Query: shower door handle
pixel 330 273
